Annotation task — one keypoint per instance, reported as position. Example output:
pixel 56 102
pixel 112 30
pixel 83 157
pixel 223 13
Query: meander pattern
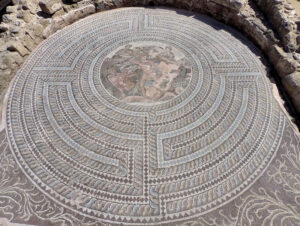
pixel 143 116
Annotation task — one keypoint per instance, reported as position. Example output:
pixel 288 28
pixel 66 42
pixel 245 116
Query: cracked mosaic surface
pixel 142 116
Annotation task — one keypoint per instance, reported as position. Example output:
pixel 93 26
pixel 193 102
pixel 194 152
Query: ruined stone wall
pixel 272 25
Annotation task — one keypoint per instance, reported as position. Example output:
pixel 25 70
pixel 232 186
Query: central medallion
pixel 145 73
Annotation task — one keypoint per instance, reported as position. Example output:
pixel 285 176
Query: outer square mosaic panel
pixel 143 116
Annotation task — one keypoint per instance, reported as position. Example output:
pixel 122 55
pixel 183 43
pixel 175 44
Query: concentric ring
pixel 105 155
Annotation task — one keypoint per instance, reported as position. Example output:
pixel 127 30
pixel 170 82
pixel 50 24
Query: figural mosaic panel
pixel 143 116
pixel 145 73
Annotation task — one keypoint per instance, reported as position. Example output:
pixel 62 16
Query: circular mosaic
pixel 143 116
pixel 143 73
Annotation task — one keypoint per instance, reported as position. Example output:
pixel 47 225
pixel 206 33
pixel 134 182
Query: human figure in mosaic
pixel 147 74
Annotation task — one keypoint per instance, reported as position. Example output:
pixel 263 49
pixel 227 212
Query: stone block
pixel 291 83
pixel 49 6
pixel 16 46
pixel 62 21
pixel 284 63
pixel 3 27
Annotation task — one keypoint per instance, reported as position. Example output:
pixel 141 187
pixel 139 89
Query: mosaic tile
pixel 144 116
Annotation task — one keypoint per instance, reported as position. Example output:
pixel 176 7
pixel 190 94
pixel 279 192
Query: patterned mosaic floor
pixel 147 116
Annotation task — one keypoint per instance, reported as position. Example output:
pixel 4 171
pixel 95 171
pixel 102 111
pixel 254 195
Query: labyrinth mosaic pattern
pixel 143 116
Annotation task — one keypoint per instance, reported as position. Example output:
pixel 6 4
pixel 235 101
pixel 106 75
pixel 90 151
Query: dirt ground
pixel 296 4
